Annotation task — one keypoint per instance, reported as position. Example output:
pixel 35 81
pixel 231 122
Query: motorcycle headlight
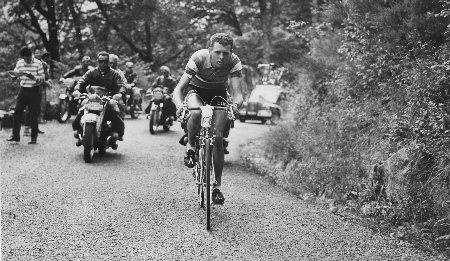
pixel 265 107
pixel 94 98
pixel 158 95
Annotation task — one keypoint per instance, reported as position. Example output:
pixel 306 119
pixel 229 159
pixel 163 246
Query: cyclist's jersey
pixel 204 76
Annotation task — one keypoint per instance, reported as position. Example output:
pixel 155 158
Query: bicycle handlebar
pixel 213 107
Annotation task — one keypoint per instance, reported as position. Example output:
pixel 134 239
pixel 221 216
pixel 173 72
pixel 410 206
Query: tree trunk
pixel 53 43
pixel 268 10
pixel 77 25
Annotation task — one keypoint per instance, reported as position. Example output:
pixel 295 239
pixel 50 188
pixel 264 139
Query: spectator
pixel 30 72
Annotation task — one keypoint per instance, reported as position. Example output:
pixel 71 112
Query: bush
pixel 381 98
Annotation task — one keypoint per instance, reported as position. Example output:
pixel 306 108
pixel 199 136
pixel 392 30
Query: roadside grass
pixel 318 163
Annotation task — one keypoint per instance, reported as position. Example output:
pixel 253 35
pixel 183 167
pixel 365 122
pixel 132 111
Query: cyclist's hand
pixel 76 94
pixel 234 109
pixel 182 113
pixel 117 96
pixel 113 102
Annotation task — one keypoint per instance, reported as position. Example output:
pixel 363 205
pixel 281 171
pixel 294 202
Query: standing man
pixel 206 77
pixel 30 72
pixel 42 94
pixel 43 90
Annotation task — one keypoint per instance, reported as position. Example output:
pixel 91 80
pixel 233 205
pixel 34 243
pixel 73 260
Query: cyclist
pixel 106 77
pixel 205 77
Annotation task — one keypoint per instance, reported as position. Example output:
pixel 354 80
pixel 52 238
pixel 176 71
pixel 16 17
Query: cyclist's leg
pixel 193 125
pixel 219 124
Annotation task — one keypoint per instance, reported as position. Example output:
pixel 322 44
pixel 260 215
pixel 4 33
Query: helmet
pixel 129 64
pixel 164 68
pixel 86 58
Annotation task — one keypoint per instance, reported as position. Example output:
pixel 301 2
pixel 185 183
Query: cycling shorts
pixel 207 95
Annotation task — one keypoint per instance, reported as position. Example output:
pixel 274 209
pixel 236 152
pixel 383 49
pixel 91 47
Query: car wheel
pixel 276 117
pixel 242 119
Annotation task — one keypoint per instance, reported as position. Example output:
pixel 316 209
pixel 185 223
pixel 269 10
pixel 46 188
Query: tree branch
pixel 125 38
pixel 180 52
pixel 34 21
pixel 38 7
pixel 29 28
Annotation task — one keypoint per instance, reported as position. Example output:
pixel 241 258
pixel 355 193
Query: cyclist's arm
pixel 179 89
pixel 235 83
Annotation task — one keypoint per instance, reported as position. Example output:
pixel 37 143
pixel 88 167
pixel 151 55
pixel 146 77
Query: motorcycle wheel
pixel 132 111
pixel 102 150
pixel 89 140
pixel 154 119
pixel 63 111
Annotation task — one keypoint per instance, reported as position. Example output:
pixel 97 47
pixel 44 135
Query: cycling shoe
pixel 217 197
pixel 189 159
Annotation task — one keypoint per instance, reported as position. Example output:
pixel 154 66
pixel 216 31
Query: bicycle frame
pixel 204 170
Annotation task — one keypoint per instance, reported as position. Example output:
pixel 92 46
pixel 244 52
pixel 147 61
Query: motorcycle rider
pixel 206 77
pixel 109 78
pixel 130 75
pixel 168 84
pixel 81 69
pixel 132 79
pixel 165 79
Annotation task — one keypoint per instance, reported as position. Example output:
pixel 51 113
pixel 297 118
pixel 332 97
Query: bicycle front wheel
pixel 207 191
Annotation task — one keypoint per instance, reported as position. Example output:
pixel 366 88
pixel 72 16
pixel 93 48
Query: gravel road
pixel 139 203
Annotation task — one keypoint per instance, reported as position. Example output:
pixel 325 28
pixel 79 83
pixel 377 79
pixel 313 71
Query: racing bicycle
pixel 203 170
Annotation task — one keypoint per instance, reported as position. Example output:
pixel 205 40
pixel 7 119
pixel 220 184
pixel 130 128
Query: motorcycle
pixel 134 101
pixel 97 134
pixel 68 105
pixel 157 115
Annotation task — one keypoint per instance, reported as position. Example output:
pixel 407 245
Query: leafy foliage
pixel 381 92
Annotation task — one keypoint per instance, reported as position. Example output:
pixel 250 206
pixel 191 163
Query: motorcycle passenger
pixel 113 63
pixel 106 77
pixel 205 77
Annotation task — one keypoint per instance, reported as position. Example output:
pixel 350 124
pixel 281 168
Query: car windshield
pixel 264 95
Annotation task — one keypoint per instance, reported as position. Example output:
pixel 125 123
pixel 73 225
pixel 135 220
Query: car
pixel 263 104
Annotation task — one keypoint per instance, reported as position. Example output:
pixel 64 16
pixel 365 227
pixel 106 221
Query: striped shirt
pixel 203 75
pixel 35 68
